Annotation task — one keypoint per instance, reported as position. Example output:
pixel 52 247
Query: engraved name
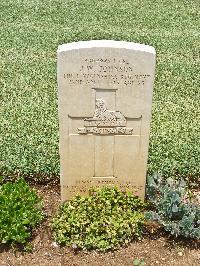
pixel 112 71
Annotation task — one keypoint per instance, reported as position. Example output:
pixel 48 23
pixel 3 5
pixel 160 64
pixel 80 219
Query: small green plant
pixel 138 262
pixel 173 207
pixel 20 211
pixel 105 219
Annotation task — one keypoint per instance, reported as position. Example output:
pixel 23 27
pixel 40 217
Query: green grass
pixel 30 34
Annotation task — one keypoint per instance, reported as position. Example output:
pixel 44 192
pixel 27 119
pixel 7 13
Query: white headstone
pixel 105 95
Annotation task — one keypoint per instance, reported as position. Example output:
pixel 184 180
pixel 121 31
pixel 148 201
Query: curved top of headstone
pixel 106 44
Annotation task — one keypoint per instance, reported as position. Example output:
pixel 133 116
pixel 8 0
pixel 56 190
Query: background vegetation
pixel 31 31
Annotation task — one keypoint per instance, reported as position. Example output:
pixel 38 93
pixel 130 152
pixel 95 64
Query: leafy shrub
pixel 103 220
pixel 20 211
pixel 173 207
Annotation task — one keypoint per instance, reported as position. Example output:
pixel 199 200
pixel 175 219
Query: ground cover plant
pixel 20 212
pixel 174 208
pixel 105 219
pixel 31 31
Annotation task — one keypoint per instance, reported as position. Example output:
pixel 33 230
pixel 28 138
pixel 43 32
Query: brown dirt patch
pixel 156 248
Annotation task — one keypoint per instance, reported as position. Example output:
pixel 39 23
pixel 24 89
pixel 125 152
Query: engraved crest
pixel 105 122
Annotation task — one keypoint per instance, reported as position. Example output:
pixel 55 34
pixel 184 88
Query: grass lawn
pixel 30 34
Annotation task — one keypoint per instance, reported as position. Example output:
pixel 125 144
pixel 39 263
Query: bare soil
pixel 156 248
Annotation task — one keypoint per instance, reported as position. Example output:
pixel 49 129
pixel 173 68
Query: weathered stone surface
pixel 105 97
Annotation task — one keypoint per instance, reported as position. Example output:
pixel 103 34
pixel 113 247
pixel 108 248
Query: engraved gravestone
pixel 105 95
